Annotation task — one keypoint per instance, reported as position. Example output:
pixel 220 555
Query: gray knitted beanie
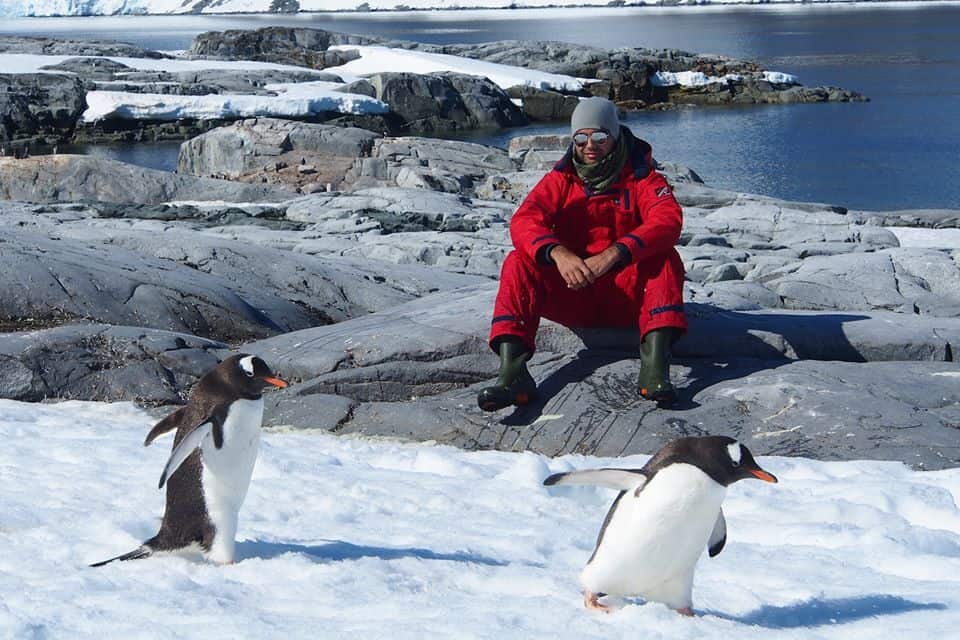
pixel 595 113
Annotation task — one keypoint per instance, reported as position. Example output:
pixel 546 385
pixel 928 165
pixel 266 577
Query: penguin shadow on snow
pixel 335 550
pixel 719 346
pixel 818 612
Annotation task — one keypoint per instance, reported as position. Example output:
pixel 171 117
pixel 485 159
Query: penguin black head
pixel 720 457
pixel 247 375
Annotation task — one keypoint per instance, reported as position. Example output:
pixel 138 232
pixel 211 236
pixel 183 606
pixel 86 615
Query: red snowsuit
pixel 639 212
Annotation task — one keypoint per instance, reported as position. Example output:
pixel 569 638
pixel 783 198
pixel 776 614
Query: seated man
pixel 594 246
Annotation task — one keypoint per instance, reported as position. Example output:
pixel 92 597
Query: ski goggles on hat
pixel 598 137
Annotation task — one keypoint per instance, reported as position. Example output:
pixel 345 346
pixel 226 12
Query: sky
pixel 367 538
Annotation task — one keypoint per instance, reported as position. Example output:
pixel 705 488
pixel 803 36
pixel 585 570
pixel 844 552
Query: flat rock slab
pixel 455 323
pixel 63 264
pixel 589 404
pixel 789 383
pixel 71 178
pixel 59 279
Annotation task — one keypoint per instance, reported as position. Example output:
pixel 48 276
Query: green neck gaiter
pixel 598 177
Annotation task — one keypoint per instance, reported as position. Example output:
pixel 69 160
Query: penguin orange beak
pixel 763 475
pixel 277 382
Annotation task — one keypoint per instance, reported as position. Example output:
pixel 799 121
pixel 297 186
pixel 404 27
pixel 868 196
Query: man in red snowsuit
pixel 594 247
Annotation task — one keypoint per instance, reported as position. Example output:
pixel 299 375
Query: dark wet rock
pixel 90 68
pixel 445 102
pixel 66 178
pixel 361 87
pixel 543 105
pixel 39 107
pixel 197 83
pixel 284 45
pixel 67 47
pixel 739 92
pixel 118 130
pixel 100 362
pixel 626 74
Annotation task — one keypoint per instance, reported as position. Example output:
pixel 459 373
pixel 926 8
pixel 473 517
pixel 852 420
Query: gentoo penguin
pixel 665 515
pixel 214 450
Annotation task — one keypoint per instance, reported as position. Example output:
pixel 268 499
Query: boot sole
pixel 664 399
pixel 521 400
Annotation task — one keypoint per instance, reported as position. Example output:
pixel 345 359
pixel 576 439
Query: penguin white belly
pixel 227 471
pixel 653 541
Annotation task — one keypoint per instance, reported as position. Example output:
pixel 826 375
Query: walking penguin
pixel 214 450
pixel 664 516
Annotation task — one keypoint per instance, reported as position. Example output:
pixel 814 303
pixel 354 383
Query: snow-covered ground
pixel 915 237
pixel 386 59
pixel 155 106
pixel 115 7
pixel 350 537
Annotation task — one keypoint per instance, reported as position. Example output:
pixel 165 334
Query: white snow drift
pixel 351 537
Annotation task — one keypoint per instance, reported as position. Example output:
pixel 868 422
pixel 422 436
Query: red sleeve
pixel 532 225
pixel 661 218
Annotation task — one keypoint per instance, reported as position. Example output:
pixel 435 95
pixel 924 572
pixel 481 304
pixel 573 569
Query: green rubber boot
pixel 654 379
pixel 514 385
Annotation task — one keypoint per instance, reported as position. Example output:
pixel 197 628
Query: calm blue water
pixel 901 150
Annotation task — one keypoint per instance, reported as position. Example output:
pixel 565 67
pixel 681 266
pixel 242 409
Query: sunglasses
pixel 597 137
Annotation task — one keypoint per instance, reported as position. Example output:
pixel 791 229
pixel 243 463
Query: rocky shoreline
pixel 812 331
pixel 362 265
pixel 48 107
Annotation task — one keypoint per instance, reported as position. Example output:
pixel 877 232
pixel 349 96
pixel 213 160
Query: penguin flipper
pixel 169 423
pixel 184 448
pixel 619 479
pixel 718 537
pixel 140 552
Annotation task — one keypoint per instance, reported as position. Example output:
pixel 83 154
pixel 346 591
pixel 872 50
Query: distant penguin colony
pixel 214 451
pixel 665 515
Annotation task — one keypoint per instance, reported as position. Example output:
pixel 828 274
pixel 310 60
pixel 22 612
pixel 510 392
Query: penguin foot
pixel 686 611
pixel 590 601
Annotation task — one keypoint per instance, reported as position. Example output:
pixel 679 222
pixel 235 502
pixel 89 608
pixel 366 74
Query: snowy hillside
pixel 347 537
pixel 115 7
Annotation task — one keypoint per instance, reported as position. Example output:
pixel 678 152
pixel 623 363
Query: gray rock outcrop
pixel 68 47
pixel 314 157
pixel 295 154
pixel 48 107
pixel 79 362
pixel 812 332
pixel 68 178
pixel 626 75
pixel 39 107
pixel 68 265
pixel 445 102
pixel 284 45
